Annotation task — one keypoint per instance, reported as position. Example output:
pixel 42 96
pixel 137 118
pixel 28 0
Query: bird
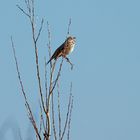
pixel 66 48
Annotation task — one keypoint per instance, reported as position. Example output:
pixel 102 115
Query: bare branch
pixel 41 119
pixel 51 88
pixel 69 122
pixel 31 117
pixel 36 51
pixel 45 107
pixel 33 10
pixel 46 86
pixel 53 119
pixel 38 35
pixel 69 24
pixel 19 132
pixel 27 3
pixel 68 111
pixel 58 75
pixel 30 7
pixel 38 77
pixel 48 133
pixel 69 62
pixel 23 11
pixel 51 94
pixel 49 43
pixel 59 111
pixel 48 102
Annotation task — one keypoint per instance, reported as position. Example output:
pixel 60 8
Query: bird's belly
pixel 68 50
pixel 72 48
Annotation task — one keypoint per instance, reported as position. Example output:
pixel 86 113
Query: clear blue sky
pixel 106 75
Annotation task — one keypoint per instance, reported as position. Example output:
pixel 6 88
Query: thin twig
pixel 23 11
pixel 19 132
pixel 59 111
pixel 30 7
pixel 53 119
pixel 46 96
pixel 69 122
pixel 36 54
pixel 31 117
pixel 40 29
pixel 48 102
pixel 46 84
pixel 41 119
pixel 58 75
pixel 30 14
pixel 48 125
pixel 33 10
pixel 51 88
pixel 69 62
pixel 38 72
pixel 69 24
pixel 48 122
pixel 27 3
pixel 49 43
pixel 68 111
pixel 51 94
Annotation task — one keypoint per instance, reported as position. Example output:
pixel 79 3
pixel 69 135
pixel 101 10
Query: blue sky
pixel 106 75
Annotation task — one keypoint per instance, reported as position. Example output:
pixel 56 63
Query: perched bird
pixel 66 48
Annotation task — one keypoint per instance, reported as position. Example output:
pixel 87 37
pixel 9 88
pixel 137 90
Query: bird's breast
pixel 72 48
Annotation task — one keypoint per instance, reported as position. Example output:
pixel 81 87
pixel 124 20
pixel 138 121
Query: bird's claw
pixel 71 66
pixel 69 62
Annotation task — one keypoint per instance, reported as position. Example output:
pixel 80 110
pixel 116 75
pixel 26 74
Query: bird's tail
pixel 49 61
pixel 53 57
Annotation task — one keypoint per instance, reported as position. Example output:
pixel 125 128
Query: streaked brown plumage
pixel 66 48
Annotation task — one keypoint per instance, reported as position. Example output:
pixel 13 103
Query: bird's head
pixel 71 39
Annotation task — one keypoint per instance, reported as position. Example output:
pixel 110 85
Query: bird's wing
pixel 57 53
